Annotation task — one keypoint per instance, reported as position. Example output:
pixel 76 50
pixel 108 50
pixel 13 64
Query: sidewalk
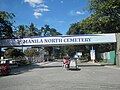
pixel 43 63
pixel 109 65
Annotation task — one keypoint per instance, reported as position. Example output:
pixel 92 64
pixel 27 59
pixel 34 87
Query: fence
pixel 108 57
pixel 35 59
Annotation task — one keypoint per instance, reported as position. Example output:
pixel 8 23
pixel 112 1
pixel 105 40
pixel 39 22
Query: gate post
pixel 118 49
pixel 0 53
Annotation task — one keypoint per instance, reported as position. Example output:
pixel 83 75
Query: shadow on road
pixel 91 65
pixel 28 68
pixel 94 65
pixel 78 69
pixel 51 66
pixel 23 69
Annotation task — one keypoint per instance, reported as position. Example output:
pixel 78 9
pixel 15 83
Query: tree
pixel 47 31
pixel 74 29
pixel 6 24
pixel 108 13
pixel 53 32
pixel 30 52
pixel 32 30
pixel 21 32
pixel 13 53
pixel 25 30
pixel 105 18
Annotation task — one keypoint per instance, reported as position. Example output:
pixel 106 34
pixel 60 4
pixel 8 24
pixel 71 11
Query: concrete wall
pixel 118 49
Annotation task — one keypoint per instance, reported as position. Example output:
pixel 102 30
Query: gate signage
pixel 60 40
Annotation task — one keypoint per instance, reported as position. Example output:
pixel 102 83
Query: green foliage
pixel 6 24
pixel 53 32
pixel 108 13
pixel 30 52
pixel 24 30
pixel 12 53
pixel 105 18
pixel 32 30
pixel 21 32
pixel 90 25
pixel 47 31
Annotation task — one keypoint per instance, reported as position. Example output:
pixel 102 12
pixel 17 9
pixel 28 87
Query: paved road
pixel 51 76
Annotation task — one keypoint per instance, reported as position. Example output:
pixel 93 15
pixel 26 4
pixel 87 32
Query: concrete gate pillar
pixel 0 53
pixel 118 49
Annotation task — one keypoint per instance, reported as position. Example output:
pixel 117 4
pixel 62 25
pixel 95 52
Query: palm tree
pixel 32 30
pixel 21 31
pixel 47 31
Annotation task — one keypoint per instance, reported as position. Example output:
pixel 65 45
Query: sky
pixel 58 14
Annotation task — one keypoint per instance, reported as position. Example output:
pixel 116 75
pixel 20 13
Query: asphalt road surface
pixel 52 76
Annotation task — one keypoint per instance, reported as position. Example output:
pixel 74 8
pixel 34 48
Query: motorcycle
pixel 66 63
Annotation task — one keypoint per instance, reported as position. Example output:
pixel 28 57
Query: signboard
pixel 79 53
pixel 106 55
pixel 92 54
pixel 75 56
pixel 60 40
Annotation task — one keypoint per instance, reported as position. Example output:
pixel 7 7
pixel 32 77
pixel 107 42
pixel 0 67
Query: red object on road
pixel 4 69
pixel 66 61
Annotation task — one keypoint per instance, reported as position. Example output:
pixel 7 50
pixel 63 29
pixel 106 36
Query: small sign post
pixel 92 54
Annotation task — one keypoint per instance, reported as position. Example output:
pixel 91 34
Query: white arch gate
pixel 65 40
